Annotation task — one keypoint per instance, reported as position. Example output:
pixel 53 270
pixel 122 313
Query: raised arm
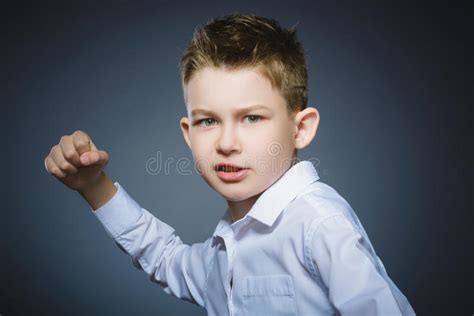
pixel 152 244
pixel 180 269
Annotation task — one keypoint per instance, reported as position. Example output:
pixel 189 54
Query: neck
pixel 238 209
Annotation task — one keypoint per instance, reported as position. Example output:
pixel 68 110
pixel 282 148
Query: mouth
pixel 224 167
pixel 230 172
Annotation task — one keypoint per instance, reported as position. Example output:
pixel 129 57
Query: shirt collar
pixel 272 202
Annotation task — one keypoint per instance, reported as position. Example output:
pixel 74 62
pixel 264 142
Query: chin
pixel 234 195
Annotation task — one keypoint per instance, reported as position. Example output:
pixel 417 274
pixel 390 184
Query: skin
pixel 78 164
pixel 263 140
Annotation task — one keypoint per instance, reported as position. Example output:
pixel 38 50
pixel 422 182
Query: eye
pixel 207 122
pixel 253 118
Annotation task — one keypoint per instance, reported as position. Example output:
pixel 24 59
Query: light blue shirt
pixel 300 250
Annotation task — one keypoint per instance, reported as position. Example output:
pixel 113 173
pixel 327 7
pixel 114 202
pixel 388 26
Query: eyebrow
pixel 238 111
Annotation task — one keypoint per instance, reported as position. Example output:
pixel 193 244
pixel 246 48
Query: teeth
pixel 229 169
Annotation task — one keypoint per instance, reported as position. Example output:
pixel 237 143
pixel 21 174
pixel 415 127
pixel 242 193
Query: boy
pixel 288 244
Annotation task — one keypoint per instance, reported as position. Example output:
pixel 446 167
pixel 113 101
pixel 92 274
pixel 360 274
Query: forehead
pixel 218 88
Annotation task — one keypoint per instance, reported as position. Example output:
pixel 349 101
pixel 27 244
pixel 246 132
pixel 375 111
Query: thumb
pixel 95 157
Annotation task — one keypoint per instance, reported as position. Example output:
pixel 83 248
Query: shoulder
pixel 319 201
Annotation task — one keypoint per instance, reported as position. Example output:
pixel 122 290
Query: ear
pixel 184 124
pixel 306 125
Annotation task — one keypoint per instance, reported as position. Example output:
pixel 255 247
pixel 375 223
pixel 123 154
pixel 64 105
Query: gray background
pixel 390 81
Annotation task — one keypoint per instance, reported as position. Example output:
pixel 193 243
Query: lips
pixel 229 172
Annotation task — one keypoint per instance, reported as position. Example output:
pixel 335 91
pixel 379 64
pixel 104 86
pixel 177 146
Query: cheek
pixel 272 142
pixel 202 153
pixel 200 144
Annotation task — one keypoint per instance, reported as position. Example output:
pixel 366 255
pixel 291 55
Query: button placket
pixel 229 243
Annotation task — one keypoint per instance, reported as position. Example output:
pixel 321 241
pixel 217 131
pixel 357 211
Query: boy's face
pixel 219 129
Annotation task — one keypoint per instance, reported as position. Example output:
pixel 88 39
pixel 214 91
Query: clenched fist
pixel 76 161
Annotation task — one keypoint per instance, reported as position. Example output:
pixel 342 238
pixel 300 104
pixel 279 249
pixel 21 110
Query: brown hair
pixel 237 41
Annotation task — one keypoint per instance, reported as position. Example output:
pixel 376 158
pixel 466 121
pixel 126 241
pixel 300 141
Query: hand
pixel 75 161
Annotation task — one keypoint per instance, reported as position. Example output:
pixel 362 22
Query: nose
pixel 228 141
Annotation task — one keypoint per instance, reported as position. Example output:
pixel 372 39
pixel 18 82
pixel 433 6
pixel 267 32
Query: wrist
pixel 99 192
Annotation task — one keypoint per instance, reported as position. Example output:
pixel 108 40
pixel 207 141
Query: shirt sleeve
pixel 354 285
pixel 154 247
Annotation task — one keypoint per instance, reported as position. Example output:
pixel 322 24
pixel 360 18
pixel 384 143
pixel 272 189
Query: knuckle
pixel 80 133
pixel 64 166
pixel 70 154
pixel 57 154
pixel 81 142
